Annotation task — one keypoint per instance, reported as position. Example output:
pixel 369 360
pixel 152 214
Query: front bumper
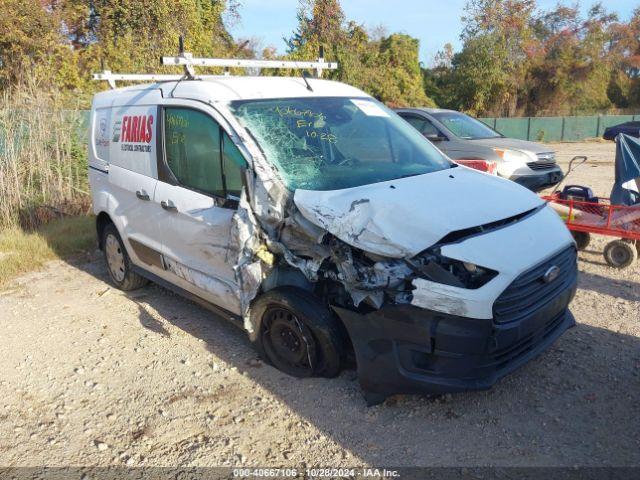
pixel 538 180
pixel 407 349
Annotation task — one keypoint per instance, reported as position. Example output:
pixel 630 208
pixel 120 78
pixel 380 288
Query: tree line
pixel 519 60
pixel 515 58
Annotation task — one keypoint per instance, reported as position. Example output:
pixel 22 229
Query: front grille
pixel 541 165
pixel 529 292
pixel 503 357
pixel 544 160
pixel 546 157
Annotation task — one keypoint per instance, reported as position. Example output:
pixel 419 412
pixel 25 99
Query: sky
pixel 433 22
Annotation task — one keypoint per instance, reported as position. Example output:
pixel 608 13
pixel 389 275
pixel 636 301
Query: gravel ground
pixel 93 376
pixel 597 172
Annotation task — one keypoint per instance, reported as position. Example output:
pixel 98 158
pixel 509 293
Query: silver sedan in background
pixel 462 137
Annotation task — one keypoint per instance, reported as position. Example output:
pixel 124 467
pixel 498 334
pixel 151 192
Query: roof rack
pixel 189 62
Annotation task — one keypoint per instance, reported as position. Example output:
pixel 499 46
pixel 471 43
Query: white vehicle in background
pixel 327 227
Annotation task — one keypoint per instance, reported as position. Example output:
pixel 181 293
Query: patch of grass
pixel 22 251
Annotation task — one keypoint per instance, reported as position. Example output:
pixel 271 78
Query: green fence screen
pixel 557 129
pixel 21 127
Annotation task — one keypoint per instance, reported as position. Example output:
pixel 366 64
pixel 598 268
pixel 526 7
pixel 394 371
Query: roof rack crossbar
pixel 111 78
pixel 248 63
pixel 188 62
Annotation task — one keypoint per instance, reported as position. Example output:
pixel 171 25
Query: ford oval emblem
pixel 551 274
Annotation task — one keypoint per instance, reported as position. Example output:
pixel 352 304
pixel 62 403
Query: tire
pixel 118 262
pixel 582 239
pixel 296 333
pixel 620 254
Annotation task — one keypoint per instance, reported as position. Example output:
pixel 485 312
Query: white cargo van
pixel 324 224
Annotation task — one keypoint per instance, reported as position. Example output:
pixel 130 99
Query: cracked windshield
pixel 335 143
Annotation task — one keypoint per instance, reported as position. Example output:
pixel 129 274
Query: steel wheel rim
pixel 620 255
pixel 288 340
pixel 115 257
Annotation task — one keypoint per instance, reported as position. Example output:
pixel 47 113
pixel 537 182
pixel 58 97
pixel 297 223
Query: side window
pixel 424 126
pixel 429 129
pixel 232 163
pixel 415 122
pixel 192 146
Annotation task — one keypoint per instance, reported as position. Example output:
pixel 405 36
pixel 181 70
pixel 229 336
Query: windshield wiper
pixel 407 175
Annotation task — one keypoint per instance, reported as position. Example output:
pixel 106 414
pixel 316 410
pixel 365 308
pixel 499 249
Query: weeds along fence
pixel 43 159
pixel 557 129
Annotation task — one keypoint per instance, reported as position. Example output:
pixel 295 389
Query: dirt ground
pixel 92 376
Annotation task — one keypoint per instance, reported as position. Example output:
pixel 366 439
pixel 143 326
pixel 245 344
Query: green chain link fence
pixel 557 129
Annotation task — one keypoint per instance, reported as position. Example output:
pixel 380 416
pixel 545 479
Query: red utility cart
pixel 603 218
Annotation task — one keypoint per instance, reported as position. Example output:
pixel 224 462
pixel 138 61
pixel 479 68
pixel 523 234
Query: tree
pixel 516 59
pixel 30 42
pixel 624 85
pixel 397 73
pixel 385 66
pixel 497 35
pixel 320 22
pixel 73 38
pixel 481 82
pixel 572 70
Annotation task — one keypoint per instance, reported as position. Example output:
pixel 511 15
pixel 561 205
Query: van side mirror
pixel 434 137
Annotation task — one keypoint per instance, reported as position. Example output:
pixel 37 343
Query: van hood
pixel 401 218
pixel 513 143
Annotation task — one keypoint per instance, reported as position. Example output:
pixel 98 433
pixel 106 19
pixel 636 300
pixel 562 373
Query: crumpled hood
pixel 401 218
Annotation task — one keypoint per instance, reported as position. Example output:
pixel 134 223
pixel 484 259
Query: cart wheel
pixel 582 239
pixel 620 254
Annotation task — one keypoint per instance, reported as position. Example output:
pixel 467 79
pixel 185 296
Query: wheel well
pixel 102 220
pixel 281 277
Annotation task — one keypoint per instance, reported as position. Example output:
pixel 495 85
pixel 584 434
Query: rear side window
pixel 192 143
pixel 423 125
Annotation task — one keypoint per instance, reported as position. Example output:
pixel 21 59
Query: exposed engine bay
pixel 341 274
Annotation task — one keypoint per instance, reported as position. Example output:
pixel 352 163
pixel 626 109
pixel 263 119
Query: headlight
pixel 512 155
pixel 448 271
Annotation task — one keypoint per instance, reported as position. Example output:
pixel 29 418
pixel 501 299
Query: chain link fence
pixel 557 129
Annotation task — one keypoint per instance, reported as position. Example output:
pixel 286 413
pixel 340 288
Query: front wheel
pixel 297 333
pixel 620 254
pixel 118 262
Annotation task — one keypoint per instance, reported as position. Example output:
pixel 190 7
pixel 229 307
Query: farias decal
pixel 135 132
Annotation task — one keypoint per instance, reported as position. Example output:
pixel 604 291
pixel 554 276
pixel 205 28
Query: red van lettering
pixel 123 135
pixel 142 129
pixel 134 132
pixel 149 130
pixel 137 128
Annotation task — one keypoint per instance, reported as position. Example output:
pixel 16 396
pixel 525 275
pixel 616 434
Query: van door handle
pixel 142 195
pixel 168 205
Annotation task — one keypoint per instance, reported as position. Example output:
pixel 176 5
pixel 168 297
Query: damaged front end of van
pixel 444 278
